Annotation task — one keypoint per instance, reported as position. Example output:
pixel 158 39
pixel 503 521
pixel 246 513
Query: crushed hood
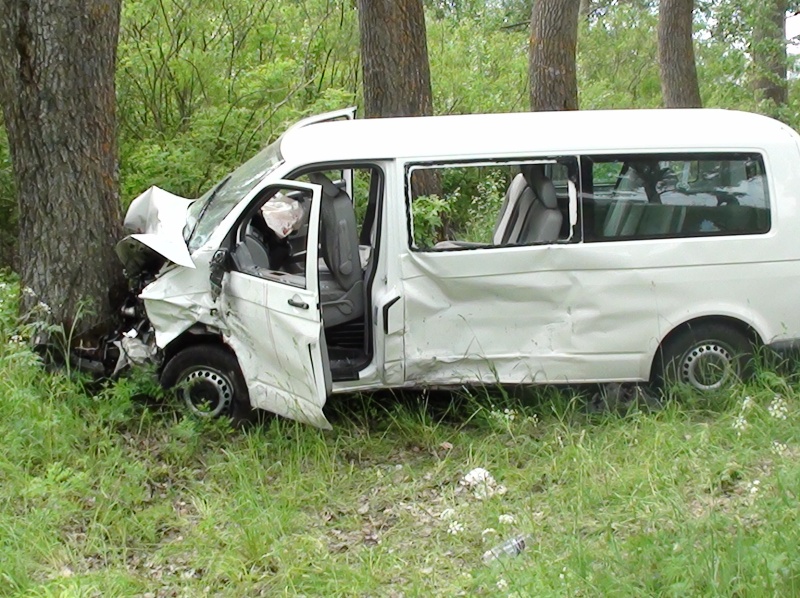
pixel 157 219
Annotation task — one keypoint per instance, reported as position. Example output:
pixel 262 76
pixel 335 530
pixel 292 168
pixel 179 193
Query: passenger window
pixel 271 241
pixel 657 196
pixel 490 204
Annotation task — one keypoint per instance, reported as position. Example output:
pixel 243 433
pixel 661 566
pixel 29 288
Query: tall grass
pixel 103 495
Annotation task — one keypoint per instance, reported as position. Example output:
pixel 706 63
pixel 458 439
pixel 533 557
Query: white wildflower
pixel 563 573
pixel 16 339
pixel 531 420
pixel 43 307
pixel 489 531
pixel 778 408
pixel 740 424
pixel 502 584
pixel 747 403
pixel 753 487
pixel 507 519
pixel 455 528
pixel 779 448
pixel 506 416
pixel 447 514
pixel 28 292
pixel 482 483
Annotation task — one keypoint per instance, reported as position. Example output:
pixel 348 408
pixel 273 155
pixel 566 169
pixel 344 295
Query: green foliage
pixel 467 211
pixel 429 214
pixel 618 60
pixel 203 85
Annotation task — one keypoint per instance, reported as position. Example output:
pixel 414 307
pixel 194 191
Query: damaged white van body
pixel 575 247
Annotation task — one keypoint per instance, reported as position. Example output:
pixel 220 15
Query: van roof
pixel 533 133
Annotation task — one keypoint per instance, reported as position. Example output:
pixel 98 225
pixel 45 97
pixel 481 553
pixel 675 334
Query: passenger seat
pixel 539 218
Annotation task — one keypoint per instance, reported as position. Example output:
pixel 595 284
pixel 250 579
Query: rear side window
pixel 670 195
pixel 485 205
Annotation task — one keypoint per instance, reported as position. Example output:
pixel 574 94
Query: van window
pixel 489 204
pixel 668 195
pixel 271 241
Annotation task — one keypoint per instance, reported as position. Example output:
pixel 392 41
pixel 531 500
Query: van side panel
pixel 574 313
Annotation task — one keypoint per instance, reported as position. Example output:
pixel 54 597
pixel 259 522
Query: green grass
pixel 101 495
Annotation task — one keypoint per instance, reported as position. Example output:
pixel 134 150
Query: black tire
pixel 207 381
pixel 706 357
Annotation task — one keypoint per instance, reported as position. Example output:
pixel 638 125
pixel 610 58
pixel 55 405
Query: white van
pixel 558 247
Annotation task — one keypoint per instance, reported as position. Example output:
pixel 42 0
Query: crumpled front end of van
pixel 169 293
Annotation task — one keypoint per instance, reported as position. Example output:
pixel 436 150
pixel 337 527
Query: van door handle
pixel 386 308
pixel 297 302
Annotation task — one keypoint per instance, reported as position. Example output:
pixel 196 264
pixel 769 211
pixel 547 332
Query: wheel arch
pixel 740 326
pixel 196 335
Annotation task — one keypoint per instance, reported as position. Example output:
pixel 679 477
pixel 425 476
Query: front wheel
pixel 705 357
pixel 207 381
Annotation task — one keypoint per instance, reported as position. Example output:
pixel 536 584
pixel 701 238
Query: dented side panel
pixel 582 312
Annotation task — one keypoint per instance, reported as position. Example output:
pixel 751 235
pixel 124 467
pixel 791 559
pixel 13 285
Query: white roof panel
pixel 533 133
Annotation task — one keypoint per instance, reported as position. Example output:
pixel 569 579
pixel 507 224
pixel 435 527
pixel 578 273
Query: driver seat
pixel 341 284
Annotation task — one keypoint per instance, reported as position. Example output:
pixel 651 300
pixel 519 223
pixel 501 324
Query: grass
pixel 102 495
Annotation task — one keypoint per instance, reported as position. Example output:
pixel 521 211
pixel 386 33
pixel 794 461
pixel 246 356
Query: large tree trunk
pixel 679 85
pixel 57 61
pixel 394 58
pixel 554 36
pixel 769 51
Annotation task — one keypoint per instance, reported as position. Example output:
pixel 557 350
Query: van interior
pixel 348 241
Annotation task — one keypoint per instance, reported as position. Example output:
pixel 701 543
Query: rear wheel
pixel 207 381
pixel 706 357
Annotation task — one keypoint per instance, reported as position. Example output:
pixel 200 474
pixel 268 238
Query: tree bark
pixel 769 51
pixel 57 61
pixel 679 86
pixel 394 58
pixel 554 37
pixel 585 9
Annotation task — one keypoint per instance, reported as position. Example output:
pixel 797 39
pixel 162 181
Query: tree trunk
pixel 585 9
pixel 769 51
pixel 394 58
pixel 57 61
pixel 554 36
pixel 679 85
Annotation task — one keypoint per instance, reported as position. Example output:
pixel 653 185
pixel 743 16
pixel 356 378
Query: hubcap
pixel 206 392
pixel 708 366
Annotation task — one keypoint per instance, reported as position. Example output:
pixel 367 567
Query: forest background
pixel 202 85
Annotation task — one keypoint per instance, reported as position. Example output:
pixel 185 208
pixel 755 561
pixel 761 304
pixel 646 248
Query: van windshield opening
pixel 206 213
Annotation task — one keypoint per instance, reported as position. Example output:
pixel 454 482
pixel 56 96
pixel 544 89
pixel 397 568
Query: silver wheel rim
pixel 206 392
pixel 708 366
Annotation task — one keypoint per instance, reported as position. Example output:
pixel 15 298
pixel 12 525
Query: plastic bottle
pixel 511 547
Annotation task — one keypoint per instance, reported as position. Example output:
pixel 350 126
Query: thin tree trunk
pixel 554 37
pixel 57 61
pixel 679 85
pixel 394 58
pixel 769 52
